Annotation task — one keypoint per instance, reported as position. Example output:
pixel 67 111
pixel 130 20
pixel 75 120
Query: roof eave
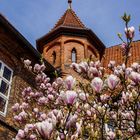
pixel 22 39
pixel 74 31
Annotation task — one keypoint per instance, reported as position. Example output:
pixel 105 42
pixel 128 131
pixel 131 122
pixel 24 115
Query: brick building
pixel 14 48
pixel 69 41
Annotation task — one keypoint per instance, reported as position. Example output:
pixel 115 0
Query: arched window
pixel 73 55
pixel 54 57
pixel 90 57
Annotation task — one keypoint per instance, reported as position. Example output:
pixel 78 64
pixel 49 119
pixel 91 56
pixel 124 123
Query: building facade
pixel 14 48
pixel 69 41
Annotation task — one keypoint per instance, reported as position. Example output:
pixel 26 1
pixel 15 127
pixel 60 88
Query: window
pixel 73 55
pixel 5 85
pixel 54 57
pixel 90 57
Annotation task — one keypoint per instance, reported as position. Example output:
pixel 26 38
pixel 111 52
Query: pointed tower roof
pixel 70 25
pixel 69 19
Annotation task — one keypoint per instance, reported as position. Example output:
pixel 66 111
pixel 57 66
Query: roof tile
pixel 115 53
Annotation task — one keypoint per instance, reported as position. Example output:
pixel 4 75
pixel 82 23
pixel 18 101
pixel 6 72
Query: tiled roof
pixel 69 19
pixel 115 53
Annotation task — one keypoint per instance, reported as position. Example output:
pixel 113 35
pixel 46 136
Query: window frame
pixel 74 51
pixel 9 83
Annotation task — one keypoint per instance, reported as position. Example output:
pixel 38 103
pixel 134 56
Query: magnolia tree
pixel 104 107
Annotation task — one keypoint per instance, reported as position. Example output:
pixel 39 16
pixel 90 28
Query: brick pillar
pixel 85 50
pixel 62 54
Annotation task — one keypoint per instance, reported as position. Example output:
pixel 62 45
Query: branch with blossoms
pixel 103 107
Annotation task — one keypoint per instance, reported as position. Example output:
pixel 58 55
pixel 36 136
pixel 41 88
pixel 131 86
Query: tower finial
pixel 69 2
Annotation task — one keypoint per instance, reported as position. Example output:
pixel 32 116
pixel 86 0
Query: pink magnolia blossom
pixel 71 110
pixel 111 135
pixel 71 121
pixel 24 105
pixel 59 81
pixel 15 107
pixel 43 116
pixel 33 137
pixel 23 115
pixel 104 97
pixel 75 66
pixel 93 72
pixel 36 110
pixel 68 97
pixel 27 62
pixel 20 135
pixel 111 64
pixel 131 130
pixel 135 77
pixel 29 127
pixel 17 118
pixel 38 94
pixel 38 68
pixel 130 31
pixel 123 46
pixel 52 117
pixel 79 127
pixel 42 100
pixel 43 86
pixel 26 92
pixel 88 112
pixel 82 96
pixel 97 84
pixel 128 72
pixel 112 81
pixel 97 64
pixel 45 128
pixel 135 66
pixel 50 97
pixel 69 82
pixel 84 67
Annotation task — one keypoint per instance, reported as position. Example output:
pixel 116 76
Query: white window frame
pixel 6 98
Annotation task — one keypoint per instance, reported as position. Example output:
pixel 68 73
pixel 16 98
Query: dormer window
pixel 5 86
pixel 54 57
pixel 73 55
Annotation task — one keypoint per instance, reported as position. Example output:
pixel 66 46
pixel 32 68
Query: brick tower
pixel 69 41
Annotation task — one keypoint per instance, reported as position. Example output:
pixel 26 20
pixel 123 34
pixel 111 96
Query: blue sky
pixel 34 18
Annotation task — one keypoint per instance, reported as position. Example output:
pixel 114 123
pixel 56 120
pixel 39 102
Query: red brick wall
pixel 48 54
pixel 63 47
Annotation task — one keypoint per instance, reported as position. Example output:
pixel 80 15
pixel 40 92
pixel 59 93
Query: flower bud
pixel 97 84
pixel 112 81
